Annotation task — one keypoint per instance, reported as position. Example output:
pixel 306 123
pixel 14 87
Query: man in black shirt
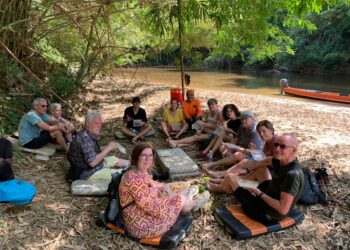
pixel 276 195
pixel 136 121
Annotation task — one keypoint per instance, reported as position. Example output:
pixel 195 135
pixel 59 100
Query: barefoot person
pixel 149 211
pixel 34 130
pixel 87 161
pixel 173 121
pixel 267 134
pixel 247 138
pixel 55 110
pixel 135 117
pixel 275 196
pixel 213 119
pixel 231 115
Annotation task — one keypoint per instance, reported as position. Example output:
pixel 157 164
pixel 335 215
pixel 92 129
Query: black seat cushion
pixel 240 226
pixel 166 241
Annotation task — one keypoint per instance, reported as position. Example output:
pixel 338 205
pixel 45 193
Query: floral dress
pixel 147 211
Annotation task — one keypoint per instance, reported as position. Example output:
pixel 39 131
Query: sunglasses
pixel 282 146
pixel 44 106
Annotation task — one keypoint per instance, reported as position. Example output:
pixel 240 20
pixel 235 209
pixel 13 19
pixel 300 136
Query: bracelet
pixel 261 194
pixel 247 170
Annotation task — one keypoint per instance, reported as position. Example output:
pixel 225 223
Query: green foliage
pixel 51 53
pixel 63 83
pixel 12 110
pixel 201 188
pixel 33 88
pixel 325 49
pixel 10 73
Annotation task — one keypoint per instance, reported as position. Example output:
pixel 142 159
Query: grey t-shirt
pixel 245 136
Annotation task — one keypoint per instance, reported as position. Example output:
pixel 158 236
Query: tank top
pixel 213 119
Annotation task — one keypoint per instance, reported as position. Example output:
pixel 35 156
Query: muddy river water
pixel 261 83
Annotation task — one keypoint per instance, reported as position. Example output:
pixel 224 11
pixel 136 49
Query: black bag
pixel 113 213
pixel 312 193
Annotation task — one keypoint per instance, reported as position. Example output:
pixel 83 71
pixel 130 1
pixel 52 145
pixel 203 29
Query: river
pixel 261 83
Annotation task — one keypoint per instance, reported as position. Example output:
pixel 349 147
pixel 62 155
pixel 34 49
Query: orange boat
pixel 316 94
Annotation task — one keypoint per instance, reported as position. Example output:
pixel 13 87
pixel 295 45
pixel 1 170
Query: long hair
pixel 135 154
pixel 230 106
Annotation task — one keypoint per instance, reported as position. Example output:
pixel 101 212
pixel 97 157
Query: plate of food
pixel 178 186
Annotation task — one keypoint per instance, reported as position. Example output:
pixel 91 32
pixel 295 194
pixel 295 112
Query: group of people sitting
pixel 149 208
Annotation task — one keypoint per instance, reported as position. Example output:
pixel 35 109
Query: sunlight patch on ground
pixel 333 139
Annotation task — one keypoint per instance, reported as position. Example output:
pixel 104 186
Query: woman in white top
pixel 55 110
pixel 204 129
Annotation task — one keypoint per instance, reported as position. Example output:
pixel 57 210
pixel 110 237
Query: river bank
pixel 58 220
pixel 246 82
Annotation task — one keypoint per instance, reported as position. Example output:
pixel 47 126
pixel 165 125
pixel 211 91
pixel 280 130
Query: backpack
pixel 113 212
pixel 312 193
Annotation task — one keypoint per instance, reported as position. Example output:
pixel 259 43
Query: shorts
pixel 253 206
pixel 211 135
pixel 136 130
pixel 39 142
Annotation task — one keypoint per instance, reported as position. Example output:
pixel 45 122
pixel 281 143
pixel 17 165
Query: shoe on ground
pixel 202 199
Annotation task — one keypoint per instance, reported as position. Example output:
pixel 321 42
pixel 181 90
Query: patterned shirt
pixel 83 151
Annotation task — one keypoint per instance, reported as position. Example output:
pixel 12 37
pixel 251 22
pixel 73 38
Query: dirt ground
pixel 58 220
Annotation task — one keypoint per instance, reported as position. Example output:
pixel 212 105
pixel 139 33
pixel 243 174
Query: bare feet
pixel 215 181
pixel 206 166
pixel 210 173
pixel 215 174
pixel 171 143
pixel 213 187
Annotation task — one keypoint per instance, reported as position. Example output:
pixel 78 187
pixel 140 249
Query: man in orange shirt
pixel 191 108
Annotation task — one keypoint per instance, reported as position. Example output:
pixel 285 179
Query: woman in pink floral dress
pixel 148 210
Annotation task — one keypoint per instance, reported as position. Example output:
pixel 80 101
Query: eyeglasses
pixel 144 156
pixel 282 146
pixel 44 106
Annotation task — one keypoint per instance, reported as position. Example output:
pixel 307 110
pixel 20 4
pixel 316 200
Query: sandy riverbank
pixel 57 220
